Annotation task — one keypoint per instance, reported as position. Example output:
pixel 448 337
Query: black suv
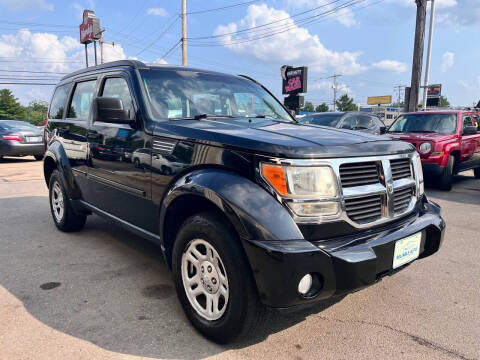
pixel 251 209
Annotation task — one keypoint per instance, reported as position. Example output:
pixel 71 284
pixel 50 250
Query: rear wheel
pixel 446 177
pixel 476 172
pixel 213 280
pixel 62 212
pixel 38 157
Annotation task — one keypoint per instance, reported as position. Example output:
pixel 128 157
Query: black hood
pixel 282 139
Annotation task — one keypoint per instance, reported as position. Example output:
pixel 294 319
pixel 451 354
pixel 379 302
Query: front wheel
pixel 62 212
pixel 213 280
pixel 446 177
pixel 476 172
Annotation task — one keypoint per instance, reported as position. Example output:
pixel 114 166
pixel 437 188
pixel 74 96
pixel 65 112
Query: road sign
pixel 89 28
pixel 434 91
pixel 377 100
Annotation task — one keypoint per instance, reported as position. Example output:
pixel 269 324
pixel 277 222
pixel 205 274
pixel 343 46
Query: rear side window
pixel 467 121
pixel 118 88
pixel 82 100
pixel 58 102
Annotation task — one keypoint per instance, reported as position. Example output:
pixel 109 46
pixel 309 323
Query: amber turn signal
pixel 276 177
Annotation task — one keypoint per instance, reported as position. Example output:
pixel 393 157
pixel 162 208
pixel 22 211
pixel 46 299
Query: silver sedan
pixel 20 138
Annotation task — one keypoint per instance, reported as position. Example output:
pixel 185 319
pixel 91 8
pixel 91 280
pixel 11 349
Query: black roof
pixel 134 64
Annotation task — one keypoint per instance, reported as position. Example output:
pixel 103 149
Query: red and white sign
pixel 86 27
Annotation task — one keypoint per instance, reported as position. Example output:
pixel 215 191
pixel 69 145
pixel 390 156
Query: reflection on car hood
pixel 421 136
pixel 282 139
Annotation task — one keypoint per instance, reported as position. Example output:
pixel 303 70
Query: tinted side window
pixel 467 121
pixel 58 102
pixel 82 100
pixel 118 88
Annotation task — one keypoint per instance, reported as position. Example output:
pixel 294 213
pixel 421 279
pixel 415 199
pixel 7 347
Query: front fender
pixel 255 213
pixel 57 153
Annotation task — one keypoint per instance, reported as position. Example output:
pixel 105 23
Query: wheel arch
pixel 248 208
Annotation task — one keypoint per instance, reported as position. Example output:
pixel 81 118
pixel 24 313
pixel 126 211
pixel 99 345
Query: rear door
pixel 469 144
pixel 120 160
pixel 70 128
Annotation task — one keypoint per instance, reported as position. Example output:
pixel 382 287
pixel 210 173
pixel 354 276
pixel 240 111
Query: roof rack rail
pixel 133 63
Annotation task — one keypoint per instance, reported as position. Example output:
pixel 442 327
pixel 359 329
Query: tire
pixel 446 177
pixel 136 163
pixel 476 172
pixel 62 212
pixel 242 311
pixel 38 157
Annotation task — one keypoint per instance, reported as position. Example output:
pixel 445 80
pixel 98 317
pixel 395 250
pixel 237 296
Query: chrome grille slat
pixel 401 168
pixel 358 174
pixel 364 209
pixel 402 199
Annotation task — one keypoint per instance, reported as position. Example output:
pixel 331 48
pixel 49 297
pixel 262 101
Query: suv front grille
pixel 364 209
pixel 358 174
pixel 402 199
pixel 401 169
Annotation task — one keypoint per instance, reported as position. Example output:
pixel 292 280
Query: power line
pixel 263 25
pixel 221 8
pixel 32 72
pixel 24 83
pixel 159 36
pixel 171 49
pixel 288 28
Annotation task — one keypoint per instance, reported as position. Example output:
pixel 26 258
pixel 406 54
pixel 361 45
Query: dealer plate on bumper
pixel 407 250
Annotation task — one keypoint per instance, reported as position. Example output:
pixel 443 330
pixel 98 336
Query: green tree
pixel 345 103
pixel 443 102
pixel 322 108
pixel 36 112
pixel 308 106
pixel 10 108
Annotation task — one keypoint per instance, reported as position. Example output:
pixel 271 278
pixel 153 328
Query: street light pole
pixel 429 51
pixel 184 32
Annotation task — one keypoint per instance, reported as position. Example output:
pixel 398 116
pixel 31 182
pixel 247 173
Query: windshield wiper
pixel 422 131
pixel 202 116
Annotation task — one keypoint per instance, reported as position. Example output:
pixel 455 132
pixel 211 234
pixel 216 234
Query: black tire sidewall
pixel 476 172
pixel 447 175
pixel 56 177
pixel 230 324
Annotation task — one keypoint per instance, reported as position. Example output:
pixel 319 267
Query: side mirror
pixel 469 130
pixel 110 110
pixel 383 130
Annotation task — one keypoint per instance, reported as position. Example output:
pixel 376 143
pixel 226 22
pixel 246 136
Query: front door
pixel 120 161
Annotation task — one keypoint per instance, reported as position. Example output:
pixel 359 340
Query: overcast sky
pixel 368 42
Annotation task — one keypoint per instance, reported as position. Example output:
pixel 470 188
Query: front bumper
pixel 343 265
pixel 14 148
pixel 432 169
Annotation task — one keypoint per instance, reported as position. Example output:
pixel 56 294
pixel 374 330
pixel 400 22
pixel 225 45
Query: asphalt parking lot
pixel 107 294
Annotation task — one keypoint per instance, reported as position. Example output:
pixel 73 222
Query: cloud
pixel 160 61
pixel 448 60
pixel 453 13
pixel 19 5
pixel 296 46
pixel 26 50
pixel 391 66
pixel 157 12
pixel 344 15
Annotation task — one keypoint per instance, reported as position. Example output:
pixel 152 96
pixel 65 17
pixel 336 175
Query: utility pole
pixel 335 91
pixel 417 55
pixel 429 52
pixel 184 32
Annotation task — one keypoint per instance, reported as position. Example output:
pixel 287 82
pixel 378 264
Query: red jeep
pixel 447 141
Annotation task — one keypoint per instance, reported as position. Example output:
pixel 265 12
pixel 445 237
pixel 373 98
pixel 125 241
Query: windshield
pixel 17 125
pixel 177 94
pixel 437 123
pixel 322 119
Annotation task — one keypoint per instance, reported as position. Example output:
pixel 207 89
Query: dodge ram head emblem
pixel 390 188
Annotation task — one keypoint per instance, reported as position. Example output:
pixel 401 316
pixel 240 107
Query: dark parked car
pixel 20 138
pixel 347 120
pixel 255 210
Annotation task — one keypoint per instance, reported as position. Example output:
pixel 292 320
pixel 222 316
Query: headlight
pixel 308 188
pixel 421 185
pixel 425 148
pixel 301 181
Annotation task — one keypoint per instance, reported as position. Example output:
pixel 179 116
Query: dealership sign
pixel 294 80
pixel 434 91
pixel 89 28
pixel 377 100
